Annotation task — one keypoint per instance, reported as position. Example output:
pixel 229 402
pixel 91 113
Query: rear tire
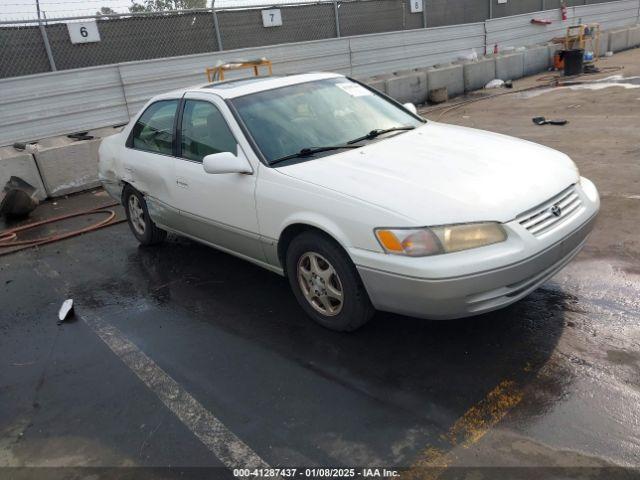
pixel 326 284
pixel 139 220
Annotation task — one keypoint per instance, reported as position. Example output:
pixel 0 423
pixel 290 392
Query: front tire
pixel 139 220
pixel 326 284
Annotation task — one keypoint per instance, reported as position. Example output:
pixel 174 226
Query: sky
pixel 26 9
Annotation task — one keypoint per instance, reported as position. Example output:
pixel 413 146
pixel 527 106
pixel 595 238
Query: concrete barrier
pixel 603 43
pixel 67 165
pixel 536 59
pixel 17 163
pixel 619 40
pixel 408 87
pixel 478 73
pixel 633 39
pixel 379 82
pixel 450 76
pixel 510 66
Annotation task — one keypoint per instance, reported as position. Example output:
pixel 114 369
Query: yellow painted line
pixel 466 431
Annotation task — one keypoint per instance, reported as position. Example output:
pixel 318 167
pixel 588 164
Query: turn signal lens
pixel 443 239
pixel 414 243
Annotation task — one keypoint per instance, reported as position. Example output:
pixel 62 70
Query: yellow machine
pixel 585 37
pixel 216 74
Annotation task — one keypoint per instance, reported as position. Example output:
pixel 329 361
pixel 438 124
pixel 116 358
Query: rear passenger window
pixel 153 131
pixel 205 131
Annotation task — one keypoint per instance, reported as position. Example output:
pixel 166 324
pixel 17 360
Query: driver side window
pixel 204 131
pixel 153 132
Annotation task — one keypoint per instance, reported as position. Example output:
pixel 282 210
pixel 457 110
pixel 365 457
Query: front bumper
pixel 485 286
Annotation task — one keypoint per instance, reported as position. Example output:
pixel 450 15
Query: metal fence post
pixel 424 13
pixel 490 9
pixel 45 39
pixel 337 15
pixel 216 25
pixel 542 5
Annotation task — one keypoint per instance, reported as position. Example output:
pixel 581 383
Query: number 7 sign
pixel 271 18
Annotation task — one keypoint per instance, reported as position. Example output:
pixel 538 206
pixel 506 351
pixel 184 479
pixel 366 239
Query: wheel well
pixel 125 186
pixel 291 232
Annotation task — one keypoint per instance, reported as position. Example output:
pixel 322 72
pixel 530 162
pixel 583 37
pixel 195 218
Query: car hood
pixel 439 174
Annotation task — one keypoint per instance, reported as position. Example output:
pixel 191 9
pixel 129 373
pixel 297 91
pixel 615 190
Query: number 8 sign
pixel 83 32
pixel 416 6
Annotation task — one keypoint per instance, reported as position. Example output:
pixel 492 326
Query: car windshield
pixel 322 113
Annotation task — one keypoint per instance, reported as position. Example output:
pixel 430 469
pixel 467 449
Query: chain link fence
pixel 33 46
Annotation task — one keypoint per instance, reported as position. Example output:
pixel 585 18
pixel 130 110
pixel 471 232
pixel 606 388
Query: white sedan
pixel 361 203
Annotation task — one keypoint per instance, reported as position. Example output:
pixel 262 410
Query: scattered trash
pixel 608 54
pixel 473 55
pixel 66 311
pixel 508 84
pixel 18 198
pixel 28 147
pixel 544 121
pixel 495 83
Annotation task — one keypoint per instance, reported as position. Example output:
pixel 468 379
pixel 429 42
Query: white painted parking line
pixel 227 447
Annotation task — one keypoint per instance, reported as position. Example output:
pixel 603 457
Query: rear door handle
pixel 182 183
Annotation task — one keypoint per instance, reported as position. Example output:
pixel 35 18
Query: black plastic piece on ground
pixel 544 121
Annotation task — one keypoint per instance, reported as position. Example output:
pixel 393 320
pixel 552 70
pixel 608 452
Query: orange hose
pixel 7 237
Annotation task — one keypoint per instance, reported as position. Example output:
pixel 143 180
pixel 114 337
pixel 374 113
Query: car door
pixel 149 162
pixel 217 208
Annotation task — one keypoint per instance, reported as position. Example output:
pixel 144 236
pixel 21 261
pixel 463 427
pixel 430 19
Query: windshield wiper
pixel 307 152
pixel 380 131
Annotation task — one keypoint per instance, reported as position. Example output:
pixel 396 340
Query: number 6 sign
pixel 416 6
pixel 83 32
pixel 272 18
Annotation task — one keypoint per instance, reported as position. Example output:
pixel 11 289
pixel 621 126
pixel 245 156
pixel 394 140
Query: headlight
pixel 420 242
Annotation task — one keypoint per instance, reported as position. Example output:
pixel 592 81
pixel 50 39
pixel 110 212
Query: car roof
pixel 244 86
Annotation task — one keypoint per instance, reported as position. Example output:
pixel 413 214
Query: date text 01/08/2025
pixel 315 472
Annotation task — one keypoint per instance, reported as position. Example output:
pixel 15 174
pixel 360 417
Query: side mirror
pixel 411 107
pixel 226 162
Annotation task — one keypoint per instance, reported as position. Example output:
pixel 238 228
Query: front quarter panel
pixel 282 201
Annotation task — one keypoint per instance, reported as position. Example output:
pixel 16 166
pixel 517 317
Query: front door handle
pixel 182 183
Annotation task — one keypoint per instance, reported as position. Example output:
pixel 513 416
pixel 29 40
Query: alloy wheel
pixel 136 214
pixel 320 284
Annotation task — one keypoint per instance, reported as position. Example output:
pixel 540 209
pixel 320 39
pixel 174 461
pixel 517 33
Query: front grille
pixel 552 212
